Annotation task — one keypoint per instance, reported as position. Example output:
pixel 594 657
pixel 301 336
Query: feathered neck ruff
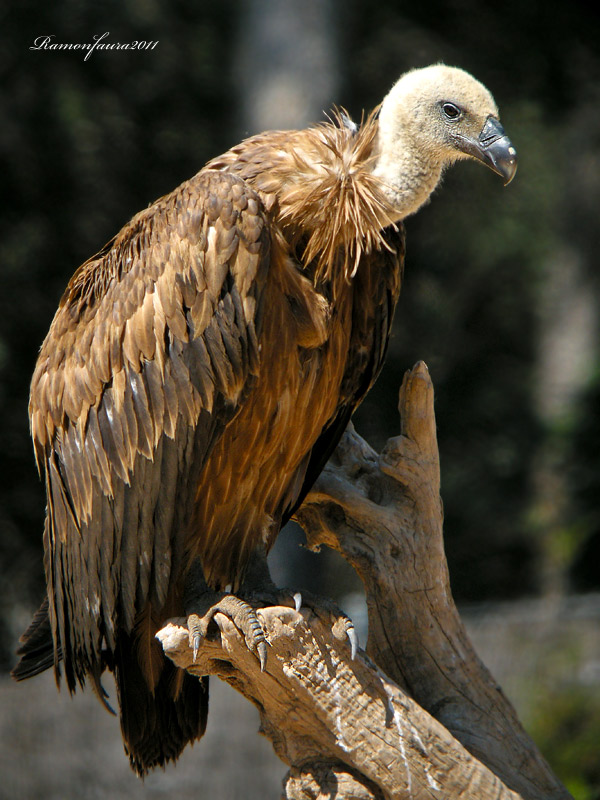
pixel 332 199
pixel 319 187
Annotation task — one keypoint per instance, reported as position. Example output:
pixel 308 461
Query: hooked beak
pixel 493 148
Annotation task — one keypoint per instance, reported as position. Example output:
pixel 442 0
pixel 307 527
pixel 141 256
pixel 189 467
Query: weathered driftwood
pixel 418 715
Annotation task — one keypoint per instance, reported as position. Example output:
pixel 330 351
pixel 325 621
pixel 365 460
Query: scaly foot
pixel 239 612
pixel 342 625
pixel 257 589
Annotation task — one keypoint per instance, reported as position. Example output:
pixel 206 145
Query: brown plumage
pixel 197 375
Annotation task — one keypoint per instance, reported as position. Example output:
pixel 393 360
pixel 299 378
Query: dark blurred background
pixel 501 295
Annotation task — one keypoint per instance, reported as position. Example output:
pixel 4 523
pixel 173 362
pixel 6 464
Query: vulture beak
pixel 493 148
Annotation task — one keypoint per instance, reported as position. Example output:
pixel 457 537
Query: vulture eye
pixel 451 111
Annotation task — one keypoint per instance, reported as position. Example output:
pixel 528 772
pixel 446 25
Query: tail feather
pixel 156 726
pixel 36 649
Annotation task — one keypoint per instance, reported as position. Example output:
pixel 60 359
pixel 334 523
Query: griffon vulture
pixel 201 369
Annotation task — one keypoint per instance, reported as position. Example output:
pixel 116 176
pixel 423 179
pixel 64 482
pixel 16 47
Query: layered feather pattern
pixel 198 373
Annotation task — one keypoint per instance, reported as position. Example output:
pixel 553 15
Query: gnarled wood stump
pixel 416 716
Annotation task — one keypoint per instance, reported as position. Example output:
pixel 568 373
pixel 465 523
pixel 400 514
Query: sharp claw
pixel 197 640
pixel 261 649
pixel 353 639
pixel 298 601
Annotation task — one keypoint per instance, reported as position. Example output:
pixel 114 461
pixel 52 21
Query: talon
pixel 196 646
pixel 298 601
pixel 353 639
pixel 261 649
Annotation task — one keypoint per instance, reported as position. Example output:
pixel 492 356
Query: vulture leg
pixel 201 605
pixel 258 588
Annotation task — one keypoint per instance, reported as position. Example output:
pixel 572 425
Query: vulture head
pixel 431 118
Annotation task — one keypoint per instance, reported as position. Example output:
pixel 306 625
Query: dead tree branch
pixel 418 715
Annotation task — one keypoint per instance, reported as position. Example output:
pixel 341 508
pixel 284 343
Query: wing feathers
pixel 108 586
pixel 150 354
pixel 110 433
pixel 76 477
pixel 129 421
pixel 156 395
pixel 142 414
pixel 171 403
pixel 127 557
pixel 113 430
pixel 215 347
pixel 96 452
pixel 188 400
pixel 199 372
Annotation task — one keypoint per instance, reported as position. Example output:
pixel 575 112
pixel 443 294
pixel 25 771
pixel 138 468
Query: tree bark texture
pixel 415 716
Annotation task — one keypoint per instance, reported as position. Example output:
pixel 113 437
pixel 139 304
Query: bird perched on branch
pixel 200 371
